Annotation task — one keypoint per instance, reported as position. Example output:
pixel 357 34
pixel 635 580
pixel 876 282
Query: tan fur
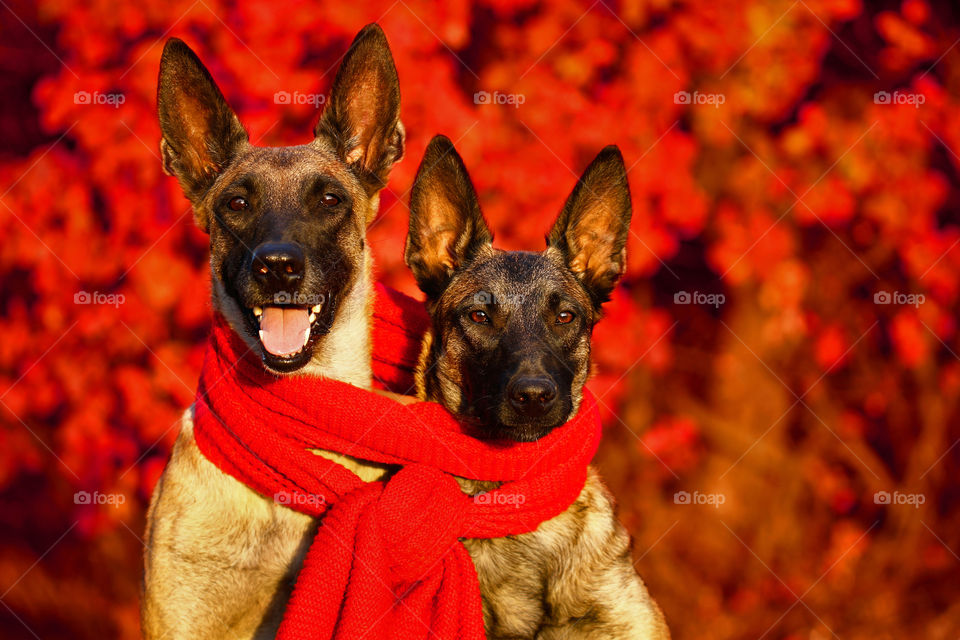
pixel 220 558
pixel 571 578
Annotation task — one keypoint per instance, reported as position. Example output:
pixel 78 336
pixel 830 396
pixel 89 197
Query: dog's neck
pixel 344 353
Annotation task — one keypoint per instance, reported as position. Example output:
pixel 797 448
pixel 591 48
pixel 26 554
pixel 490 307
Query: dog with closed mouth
pixel 290 272
pixel 509 353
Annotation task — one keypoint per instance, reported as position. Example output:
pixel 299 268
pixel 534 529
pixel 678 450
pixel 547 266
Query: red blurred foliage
pixel 798 199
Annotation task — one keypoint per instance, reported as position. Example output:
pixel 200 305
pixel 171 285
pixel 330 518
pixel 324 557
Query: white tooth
pixel 306 336
pixel 313 317
pixel 316 308
pixel 261 335
pixel 257 311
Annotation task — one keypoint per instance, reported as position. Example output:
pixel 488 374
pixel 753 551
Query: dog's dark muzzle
pixel 532 400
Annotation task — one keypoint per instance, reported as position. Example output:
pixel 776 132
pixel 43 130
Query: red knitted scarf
pixel 386 561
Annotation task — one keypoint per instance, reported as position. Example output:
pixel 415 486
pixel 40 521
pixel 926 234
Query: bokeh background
pixel 779 372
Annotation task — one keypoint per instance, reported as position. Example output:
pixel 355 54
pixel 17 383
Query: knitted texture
pixel 386 561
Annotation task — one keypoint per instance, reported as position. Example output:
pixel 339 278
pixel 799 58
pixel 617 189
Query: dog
pixel 509 353
pixel 290 272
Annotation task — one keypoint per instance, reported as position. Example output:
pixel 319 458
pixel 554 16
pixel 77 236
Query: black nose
pixel 278 266
pixel 532 396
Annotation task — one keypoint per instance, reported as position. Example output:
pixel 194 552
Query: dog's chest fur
pixel 523 578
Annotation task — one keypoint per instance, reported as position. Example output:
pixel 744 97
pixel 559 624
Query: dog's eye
pixel 238 204
pixel 480 317
pixel 565 317
pixel 329 200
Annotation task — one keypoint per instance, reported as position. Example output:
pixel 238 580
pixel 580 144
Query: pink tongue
pixel 284 330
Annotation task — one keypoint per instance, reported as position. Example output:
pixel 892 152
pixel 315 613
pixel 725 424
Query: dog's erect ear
pixel 362 118
pixel 200 132
pixel 446 226
pixel 592 229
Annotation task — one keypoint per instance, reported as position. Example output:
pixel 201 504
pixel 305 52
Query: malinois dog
pixel 509 353
pixel 291 274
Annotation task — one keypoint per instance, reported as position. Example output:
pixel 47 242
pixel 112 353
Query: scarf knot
pixel 386 561
pixel 421 514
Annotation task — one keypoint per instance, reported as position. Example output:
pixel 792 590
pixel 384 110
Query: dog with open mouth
pixel 509 353
pixel 290 273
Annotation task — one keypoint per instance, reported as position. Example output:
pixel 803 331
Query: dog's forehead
pixel 287 168
pixel 518 276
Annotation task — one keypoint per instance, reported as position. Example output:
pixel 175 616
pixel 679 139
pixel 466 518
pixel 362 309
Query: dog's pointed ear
pixel 201 133
pixel 362 118
pixel 591 231
pixel 447 229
